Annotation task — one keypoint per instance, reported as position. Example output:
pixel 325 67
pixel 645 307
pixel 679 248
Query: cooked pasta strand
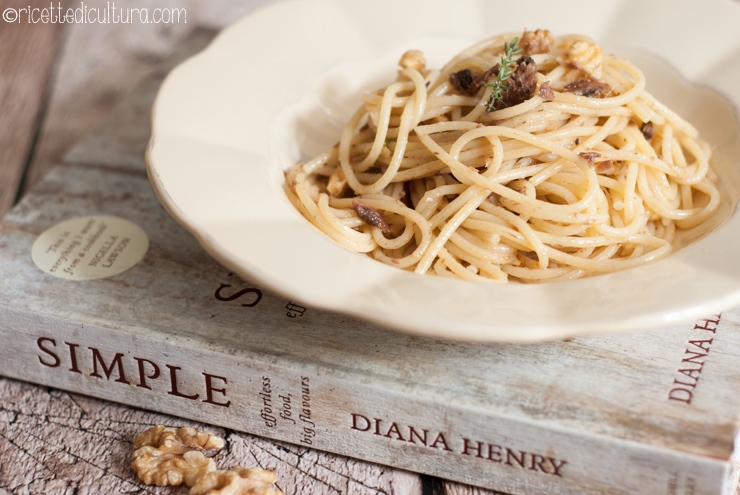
pixel 567 168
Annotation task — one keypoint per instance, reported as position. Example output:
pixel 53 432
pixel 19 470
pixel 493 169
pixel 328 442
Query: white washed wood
pixel 598 402
pixel 101 63
pixel 121 139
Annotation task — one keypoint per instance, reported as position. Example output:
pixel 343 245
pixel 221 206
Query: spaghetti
pixel 550 166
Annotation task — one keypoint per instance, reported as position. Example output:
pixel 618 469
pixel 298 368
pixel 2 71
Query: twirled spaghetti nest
pixel 558 167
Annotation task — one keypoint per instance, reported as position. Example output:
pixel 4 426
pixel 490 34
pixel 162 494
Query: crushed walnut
pixel 237 481
pixel 413 59
pixel 468 82
pixel 173 456
pixel 648 130
pixel 585 55
pixel 522 84
pixel 155 468
pixel 177 440
pixel 539 41
pixel 589 156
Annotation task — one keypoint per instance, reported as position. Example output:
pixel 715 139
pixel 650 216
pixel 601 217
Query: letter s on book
pixel 41 343
pixel 231 297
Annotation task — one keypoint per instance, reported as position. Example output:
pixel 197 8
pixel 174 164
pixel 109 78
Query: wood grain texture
pixel 27 57
pixel 101 63
pixel 120 140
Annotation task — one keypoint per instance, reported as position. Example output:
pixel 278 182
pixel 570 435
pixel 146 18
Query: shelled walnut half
pixel 173 456
pixel 237 481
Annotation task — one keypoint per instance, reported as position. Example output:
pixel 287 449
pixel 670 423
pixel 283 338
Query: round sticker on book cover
pixel 91 247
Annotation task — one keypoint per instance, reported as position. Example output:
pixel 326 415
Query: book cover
pixel 102 293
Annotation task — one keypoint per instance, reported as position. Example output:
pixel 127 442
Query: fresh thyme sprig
pixel 504 73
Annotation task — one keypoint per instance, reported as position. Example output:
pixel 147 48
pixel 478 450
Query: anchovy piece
pixel 370 216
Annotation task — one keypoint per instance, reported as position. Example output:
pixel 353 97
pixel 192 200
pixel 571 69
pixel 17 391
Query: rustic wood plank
pixel 444 487
pixel 121 139
pixel 101 63
pixel 26 64
pixel 97 66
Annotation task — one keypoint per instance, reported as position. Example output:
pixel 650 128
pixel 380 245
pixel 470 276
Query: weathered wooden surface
pixel 27 56
pixel 120 140
pixel 99 63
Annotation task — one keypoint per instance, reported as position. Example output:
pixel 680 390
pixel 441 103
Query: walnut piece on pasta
pixel 413 59
pixel 586 55
pixel 237 481
pixel 538 41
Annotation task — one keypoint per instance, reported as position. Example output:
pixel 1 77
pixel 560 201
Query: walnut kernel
pixel 237 481
pixel 585 55
pixel 413 59
pixel 157 468
pixel 539 41
pixel 177 440
pixel 172 456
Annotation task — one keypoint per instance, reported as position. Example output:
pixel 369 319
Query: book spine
pixel 322 409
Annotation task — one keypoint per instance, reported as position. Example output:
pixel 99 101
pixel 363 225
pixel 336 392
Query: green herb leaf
pixel 504 73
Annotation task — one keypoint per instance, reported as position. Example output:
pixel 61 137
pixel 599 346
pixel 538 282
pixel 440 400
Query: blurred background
pixel 58 80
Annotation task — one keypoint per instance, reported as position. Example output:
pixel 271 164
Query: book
pixel 103 294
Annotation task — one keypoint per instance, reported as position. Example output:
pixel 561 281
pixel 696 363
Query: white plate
pixel 279 85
